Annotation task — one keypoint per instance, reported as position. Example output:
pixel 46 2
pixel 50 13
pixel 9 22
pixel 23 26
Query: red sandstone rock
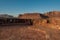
pixel 30 16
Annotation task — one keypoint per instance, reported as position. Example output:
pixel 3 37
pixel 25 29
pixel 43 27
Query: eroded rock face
pixel 53 14
pixel 48 18
pixel 30 16
pixel 54 17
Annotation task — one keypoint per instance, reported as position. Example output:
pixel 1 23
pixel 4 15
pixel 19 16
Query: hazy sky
pixel 15 7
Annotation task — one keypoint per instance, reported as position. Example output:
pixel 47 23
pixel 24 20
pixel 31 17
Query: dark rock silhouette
pixel 43 16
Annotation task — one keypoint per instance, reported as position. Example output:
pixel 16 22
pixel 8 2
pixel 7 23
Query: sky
pixel 15 7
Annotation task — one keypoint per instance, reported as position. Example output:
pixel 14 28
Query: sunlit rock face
pixel 53 14
pixel 54 17
pixel 30 16
pixel 45 27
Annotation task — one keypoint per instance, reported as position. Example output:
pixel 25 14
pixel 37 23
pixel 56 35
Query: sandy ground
pixel 28 33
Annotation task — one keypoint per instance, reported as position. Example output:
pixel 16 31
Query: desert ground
pixel 41 29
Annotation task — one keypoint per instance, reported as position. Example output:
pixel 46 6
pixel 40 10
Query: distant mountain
pixel 5 16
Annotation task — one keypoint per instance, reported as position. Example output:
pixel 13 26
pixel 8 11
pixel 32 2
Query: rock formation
pixel 30 16
pixel 45 27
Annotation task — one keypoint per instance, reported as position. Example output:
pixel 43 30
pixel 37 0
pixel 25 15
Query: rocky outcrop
pixel 53 14
pixel 54 17
pixel 30 16
pixel 49 18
